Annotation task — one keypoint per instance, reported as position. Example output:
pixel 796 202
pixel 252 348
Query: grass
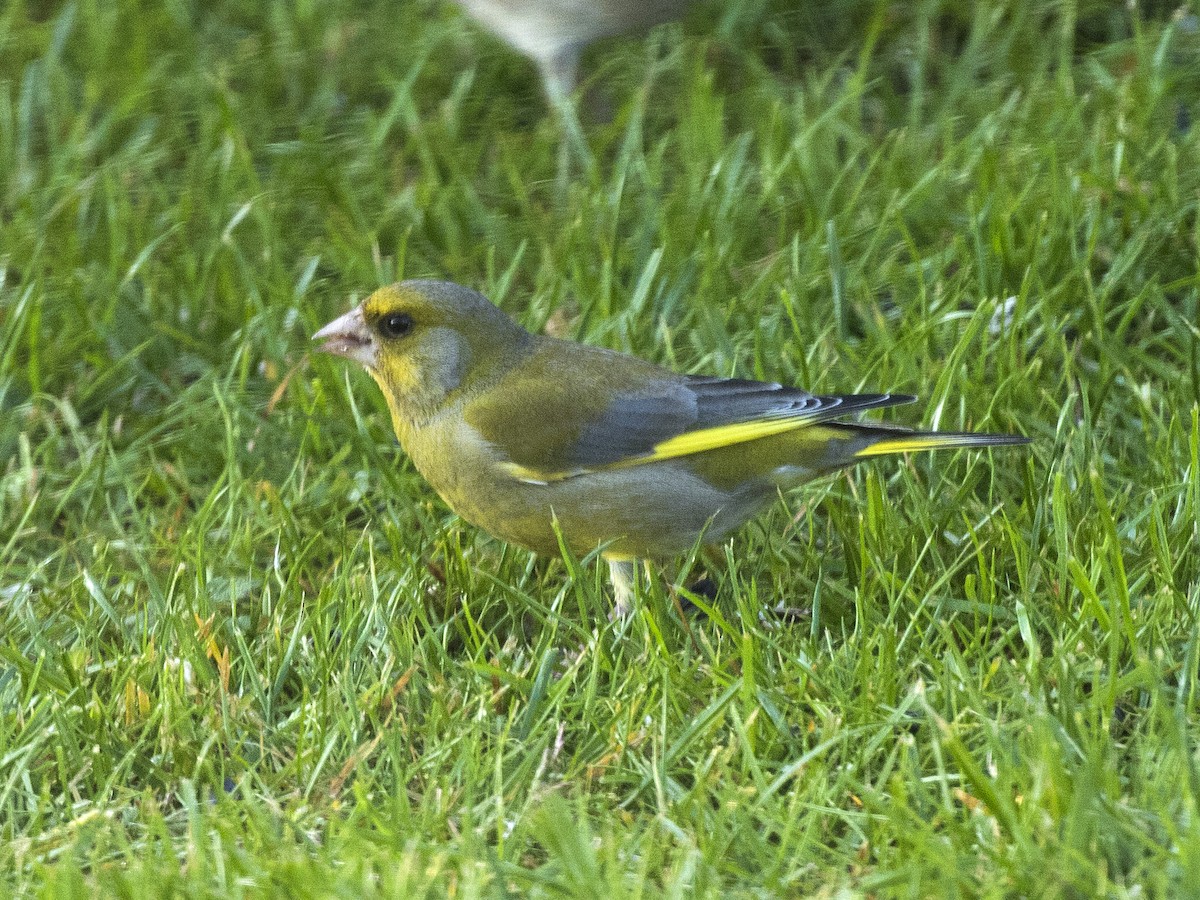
pixel 245 651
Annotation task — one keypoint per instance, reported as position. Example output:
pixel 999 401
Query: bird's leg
pixel 621 574
pixel 705 586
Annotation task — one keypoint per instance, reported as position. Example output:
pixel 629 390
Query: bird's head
pixel 423 340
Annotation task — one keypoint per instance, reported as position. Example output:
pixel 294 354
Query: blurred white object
pixel 553 32
pixel 1002 318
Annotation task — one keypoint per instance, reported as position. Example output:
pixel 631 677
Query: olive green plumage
pixel 517 431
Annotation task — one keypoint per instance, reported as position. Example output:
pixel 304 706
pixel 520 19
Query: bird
pixel 552 33
pixel 530 437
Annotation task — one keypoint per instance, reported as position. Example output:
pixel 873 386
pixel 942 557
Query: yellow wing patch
pixel 721 436
pixel 686 444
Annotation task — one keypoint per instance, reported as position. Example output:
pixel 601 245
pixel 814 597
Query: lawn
pixel 246 651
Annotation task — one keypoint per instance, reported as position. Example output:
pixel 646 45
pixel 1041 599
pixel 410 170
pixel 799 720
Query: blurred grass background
pixel 245 651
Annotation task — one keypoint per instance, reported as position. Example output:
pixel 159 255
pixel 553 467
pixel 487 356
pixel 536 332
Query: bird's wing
pixel 733 411
pixel 559 416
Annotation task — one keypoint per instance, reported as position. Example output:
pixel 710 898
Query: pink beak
pixel 350 337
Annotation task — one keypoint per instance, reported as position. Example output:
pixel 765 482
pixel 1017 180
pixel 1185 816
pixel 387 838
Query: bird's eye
pixel 395 325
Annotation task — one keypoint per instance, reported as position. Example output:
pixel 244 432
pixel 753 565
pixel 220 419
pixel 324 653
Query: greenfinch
pixel 530 437
pixel 552 33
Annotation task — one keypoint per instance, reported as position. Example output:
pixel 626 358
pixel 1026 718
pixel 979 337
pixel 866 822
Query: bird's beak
pixel 350 337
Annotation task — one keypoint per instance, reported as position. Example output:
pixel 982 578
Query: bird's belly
pixel 651 511
pixel 654 510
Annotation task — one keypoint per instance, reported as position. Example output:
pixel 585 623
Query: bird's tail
pixel 884 441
